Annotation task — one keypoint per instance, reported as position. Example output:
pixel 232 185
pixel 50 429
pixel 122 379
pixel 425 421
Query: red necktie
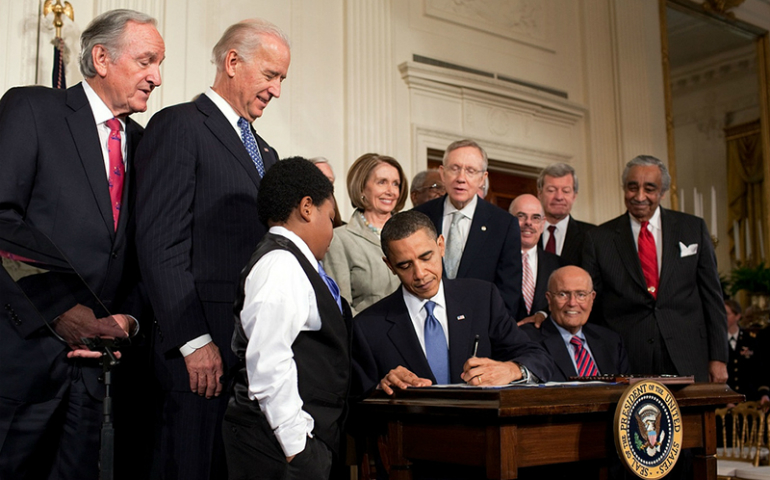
pixel 117 169
pixel 648 256
pixel 585 364
pixel 550 247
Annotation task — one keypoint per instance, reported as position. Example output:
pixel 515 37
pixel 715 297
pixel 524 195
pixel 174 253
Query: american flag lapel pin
pixel 461 317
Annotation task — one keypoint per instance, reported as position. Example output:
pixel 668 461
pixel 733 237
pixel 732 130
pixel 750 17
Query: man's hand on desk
pixel 204 367
pixel 717 372
pixel 485 371
pixel 401 378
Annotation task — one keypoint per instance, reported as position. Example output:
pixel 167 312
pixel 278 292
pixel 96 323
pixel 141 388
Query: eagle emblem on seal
pixel 648 420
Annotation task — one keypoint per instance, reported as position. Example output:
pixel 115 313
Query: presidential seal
pixel 648 429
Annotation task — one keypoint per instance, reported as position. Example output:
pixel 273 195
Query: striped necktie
pixel 585 364
pixel 527 282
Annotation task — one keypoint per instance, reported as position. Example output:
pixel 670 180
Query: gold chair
pixel 743 451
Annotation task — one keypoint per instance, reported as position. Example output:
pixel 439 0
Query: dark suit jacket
pixel 606 349
pixel 546 264
pixel 747 366
pixel 689 312
pixel 197 225
pixel 572 250
pixel 493 249
pixel 384 336
pixel 54 180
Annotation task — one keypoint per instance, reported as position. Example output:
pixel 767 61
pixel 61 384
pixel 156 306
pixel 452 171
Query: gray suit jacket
pixel 689 312
pixel 354 261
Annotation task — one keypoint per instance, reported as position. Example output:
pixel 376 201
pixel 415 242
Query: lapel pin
pixel 461 317
pixel 483 228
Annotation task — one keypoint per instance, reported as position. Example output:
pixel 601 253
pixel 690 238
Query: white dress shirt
pixel 280 303
pixel 654 226
pixel 567 336
pixel 418 314
pixel 102 113
pixel 464 224
pixel 559 234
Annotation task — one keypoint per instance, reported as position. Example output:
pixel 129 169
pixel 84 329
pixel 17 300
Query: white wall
pixel 345 94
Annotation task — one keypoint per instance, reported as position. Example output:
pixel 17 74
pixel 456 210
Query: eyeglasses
pixel 580 295
pixel 436 187
pixel 470 172
pixel 536 218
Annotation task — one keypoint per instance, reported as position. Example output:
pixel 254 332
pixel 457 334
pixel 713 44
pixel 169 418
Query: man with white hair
pixel 199 169
pixel 66 158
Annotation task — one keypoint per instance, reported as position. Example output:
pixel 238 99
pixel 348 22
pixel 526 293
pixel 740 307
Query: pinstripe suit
pixel 688 317
pixel 197 226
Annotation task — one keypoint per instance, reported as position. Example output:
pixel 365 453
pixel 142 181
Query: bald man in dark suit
pixel 566 333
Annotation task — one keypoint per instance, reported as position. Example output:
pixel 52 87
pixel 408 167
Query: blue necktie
pixel 435 346
pixel 251 146
pixel 333 288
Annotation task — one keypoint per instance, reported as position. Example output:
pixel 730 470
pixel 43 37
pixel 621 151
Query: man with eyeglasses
pixel 577 348
pixel 482 240
pixel 537 264
pixel 557 188
pixel 426 186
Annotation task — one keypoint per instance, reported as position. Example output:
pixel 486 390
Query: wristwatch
pixel 525 376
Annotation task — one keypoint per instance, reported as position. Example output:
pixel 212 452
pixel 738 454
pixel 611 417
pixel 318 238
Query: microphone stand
pixel 107 449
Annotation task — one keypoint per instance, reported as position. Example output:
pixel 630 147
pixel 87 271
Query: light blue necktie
pixel 333 288
pixel 251 146
pixel 435 346
pixel 454 247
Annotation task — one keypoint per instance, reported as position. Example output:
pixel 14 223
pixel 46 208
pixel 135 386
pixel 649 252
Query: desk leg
pixel 501 452
pixel 705 461
pixel 400 467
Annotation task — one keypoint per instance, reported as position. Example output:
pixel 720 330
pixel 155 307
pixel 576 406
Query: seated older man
pixel 577 348
pixel 434 330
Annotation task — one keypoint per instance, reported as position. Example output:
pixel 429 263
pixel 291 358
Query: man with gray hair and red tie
pixel 66 158
pixel 655 274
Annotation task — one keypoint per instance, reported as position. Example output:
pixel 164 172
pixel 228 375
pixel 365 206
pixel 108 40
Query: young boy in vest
pixel 291 332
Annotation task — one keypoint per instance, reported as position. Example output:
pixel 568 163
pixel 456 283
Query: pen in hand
pixel 475 345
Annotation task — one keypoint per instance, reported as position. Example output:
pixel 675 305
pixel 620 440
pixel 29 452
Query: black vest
pixel 322 357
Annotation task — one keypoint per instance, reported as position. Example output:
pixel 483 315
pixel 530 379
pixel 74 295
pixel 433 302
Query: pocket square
pixel 686 251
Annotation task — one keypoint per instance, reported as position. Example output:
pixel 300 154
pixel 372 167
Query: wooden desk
pixel 504 430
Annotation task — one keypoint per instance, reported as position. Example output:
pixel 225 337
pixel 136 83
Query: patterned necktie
pixel 333 288
pixel 435 346
pixel 648 256
pixel 454 247
pixel 251 146
pixel 550 247
pixel 117 169
pixel 584 362
pixel 527 282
